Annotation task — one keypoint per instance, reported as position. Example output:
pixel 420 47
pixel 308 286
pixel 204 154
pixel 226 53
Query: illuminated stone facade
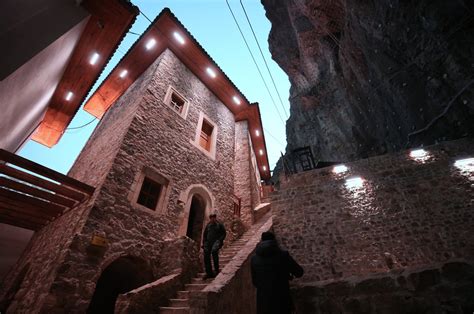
pixel 141 135
pixel 407 229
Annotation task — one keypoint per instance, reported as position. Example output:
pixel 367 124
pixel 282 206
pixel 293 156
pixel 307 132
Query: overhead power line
pixel 255 62
pixel 81 126
pixel 274 138
pixel 264 59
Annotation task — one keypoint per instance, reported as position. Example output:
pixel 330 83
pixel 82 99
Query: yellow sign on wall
pixel 99 241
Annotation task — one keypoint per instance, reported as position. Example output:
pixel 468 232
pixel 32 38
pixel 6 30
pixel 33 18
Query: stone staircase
pixel 180 303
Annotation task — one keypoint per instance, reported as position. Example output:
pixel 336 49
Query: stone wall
pixel 408 214
pixel 26 285
pixel 50 246
pixel 442 289
pixel 242 172
pixel 154 137
pixel 178 258
pixel 140 131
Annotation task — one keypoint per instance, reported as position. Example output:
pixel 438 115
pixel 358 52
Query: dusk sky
pixel 212 24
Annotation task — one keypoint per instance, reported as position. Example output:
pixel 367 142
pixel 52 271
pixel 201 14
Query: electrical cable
pixel 80 127
pixel 276 139
pixel 263 57
pixel 255 62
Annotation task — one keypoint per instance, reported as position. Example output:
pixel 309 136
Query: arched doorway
pixel 197 213
pixel 122 275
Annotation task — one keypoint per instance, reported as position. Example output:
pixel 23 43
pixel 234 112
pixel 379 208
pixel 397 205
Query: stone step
pixel 201 280
pixel 182 295
pixel 174 310
pixel 179 303
pixel 195 286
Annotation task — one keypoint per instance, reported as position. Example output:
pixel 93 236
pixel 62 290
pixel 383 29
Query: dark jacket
pixel 214 232
pixel 272 268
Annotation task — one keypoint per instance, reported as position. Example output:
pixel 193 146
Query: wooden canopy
pixel 32 195
pixel 108 23
pixel 168 33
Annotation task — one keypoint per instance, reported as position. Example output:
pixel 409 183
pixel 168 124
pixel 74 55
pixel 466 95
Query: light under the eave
pixel 123 73
pixel 150 43
pixel 179 38
pixel 69 96
pixel 236 100
pixel 94 58
pixel 211 72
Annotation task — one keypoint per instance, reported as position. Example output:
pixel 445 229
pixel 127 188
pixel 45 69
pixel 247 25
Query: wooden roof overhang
pixel 32 195
pixel 196 59
pixel 108 23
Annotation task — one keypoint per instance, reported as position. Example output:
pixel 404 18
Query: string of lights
pixel 255 62
pixel 264 59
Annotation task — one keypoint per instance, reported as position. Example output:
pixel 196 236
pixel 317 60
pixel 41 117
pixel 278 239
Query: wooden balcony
pixel 32 195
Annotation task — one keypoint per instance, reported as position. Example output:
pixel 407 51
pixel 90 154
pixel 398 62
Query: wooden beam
pixel 13 214
pixel 33 190
pixel 27 209
pixel 28 200
pixel 21 224
pixel 48 185
pixel 44 171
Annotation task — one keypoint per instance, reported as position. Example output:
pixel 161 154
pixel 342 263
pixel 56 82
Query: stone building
pixel 177 140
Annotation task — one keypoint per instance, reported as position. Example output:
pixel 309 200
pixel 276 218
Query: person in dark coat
pixel 212 241
pixel 272 268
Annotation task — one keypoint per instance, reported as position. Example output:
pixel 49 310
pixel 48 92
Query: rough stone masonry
pixel 139 133
pixel 403 238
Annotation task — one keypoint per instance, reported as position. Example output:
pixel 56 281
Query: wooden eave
pixel 108 23
pixel 196 59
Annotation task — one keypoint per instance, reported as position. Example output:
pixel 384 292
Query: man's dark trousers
pixel 212 249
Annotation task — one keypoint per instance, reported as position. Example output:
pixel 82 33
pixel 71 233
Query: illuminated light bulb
pixel 150 44
pixel 466 164
pixel 236 100
pixel 179 38
pixel 69 96
pixel 260 152
pixel 94 58
pixel 354 183
pixel 339 169
pixel 418 153
pixel 264 168
pixel 257 132
pixel 211 72
pixel 123 73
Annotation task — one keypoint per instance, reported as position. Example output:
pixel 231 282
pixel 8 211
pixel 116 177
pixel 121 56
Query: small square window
pixel 149 193
pixel 176 101
pixel 205 138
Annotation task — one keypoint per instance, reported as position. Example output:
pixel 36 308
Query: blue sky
pixel 211 23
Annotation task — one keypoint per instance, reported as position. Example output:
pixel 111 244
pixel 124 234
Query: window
pixel 149 193
pixel 206 135
pixel 176 101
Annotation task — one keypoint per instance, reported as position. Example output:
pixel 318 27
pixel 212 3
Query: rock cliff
pixel 371 77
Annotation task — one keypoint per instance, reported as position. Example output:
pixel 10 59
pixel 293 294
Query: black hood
pixel 267 248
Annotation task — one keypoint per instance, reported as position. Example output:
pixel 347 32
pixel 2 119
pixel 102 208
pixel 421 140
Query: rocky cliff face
pixel 370 77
